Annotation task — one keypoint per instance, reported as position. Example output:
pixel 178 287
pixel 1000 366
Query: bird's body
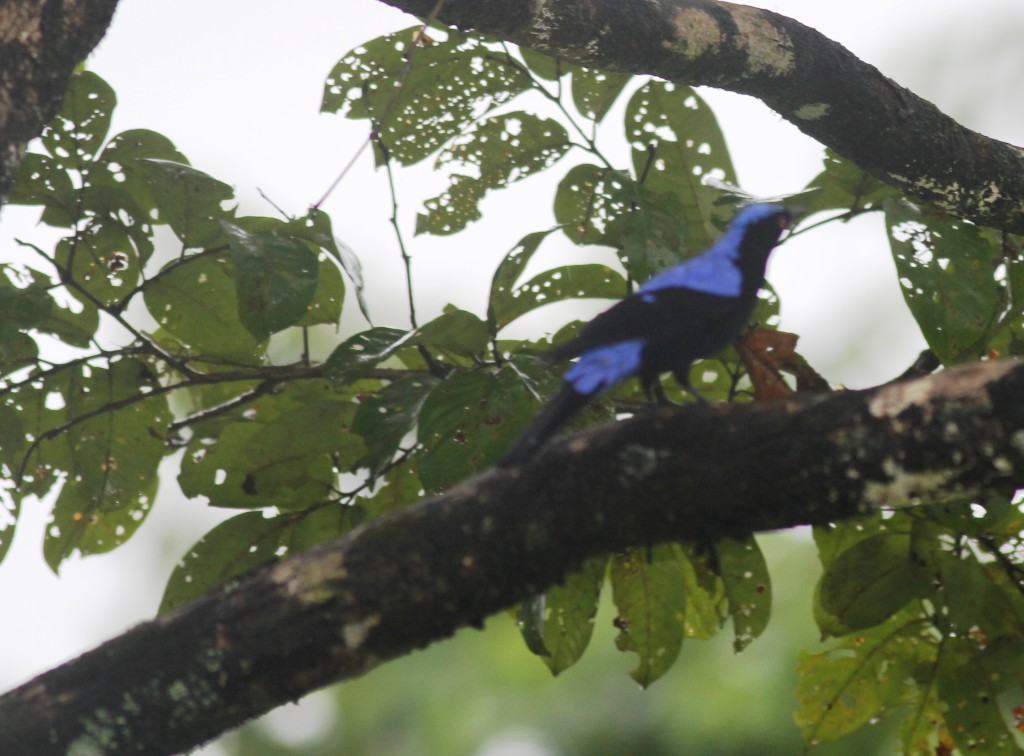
pixel 689 311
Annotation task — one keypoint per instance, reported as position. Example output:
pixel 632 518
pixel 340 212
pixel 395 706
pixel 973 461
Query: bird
pixel 685 313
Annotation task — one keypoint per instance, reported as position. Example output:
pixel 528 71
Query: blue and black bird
pixel 685 313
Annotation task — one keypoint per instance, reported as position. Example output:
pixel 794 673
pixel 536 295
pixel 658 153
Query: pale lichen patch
pixel 891 401
pixel 697 33
pixel 309 581
pixel 354 633
pixel 769 49
pixel 903 488
pixel 812 111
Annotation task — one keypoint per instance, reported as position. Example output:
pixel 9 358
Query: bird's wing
pixel 665 315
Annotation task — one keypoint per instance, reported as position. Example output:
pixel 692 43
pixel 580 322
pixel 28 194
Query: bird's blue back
pixel 716 271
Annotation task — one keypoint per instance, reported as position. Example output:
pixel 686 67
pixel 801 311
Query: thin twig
pixel 234 403
pixel 388 106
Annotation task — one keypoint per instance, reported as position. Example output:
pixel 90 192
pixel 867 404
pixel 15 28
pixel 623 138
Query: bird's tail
pixel 566 403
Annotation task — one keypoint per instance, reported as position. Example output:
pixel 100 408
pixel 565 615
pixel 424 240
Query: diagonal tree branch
pixel 810 80
pixel 409 579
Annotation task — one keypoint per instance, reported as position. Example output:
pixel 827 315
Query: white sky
pixel 237 85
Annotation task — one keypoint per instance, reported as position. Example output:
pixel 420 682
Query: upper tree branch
pixel 41 42
pixel 813 82
pixel 406 580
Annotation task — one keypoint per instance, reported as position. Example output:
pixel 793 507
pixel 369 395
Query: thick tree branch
pixel 813 82
pixel 407 580
pixel 41 42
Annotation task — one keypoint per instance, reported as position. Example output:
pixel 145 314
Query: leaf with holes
pixel 495 153
pixel 103 260
pixel 358 354
pixel 288 455
pixel 589 198
pixel 866 676
pixel 446 85
pixel 594 91
pixel 947 270
pixel 275 278
pixel 677 146
pixel 464 424
pixel 508 273
pixel 76 135
pixel 558 624
pixel 189 201
pixel 25 304
pixel 569 282
pixel 195 303
pixel 455 332
pixel 748 587
pixel 247 541
pixel 647 590
pixel 112 470
pixel 386 417
pixel 42 181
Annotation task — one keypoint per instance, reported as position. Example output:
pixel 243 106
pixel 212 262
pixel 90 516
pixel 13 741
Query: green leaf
pixel 41 181
pixel 447 85
pixel 401 487
pixel 114 173
pixel 247 541
pixel 287 453
pixel 455 332
pixel 568 282
pixel 543 66
pixel 102 260
pixel 705 593
pixel 835 538
pixel 508 272
pixel 748 586
pixel 112 470
pixel 864 677
pixel 463 425
pixel 843 186
pixel 194 301
pixel 388 416
pixel 328 297
pixel 189 201
pixel 652 236
pixel 10 510
pixel 947 270
pixel 873 580
pixel 362 352
pixel 75 136
pixel 647 589
pixel 74 327
pixel 589 198
pixel 495 153
pixel 275 279
pixel 557 625
pixel 594 91
pixel 25 304
pixel 677 146
pixel 971 699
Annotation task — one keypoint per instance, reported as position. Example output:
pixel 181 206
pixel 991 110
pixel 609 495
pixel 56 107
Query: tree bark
pixel 41 43
pixel 407 580
pixel 810 80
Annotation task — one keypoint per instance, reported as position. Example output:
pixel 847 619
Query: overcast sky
pixel 237 85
